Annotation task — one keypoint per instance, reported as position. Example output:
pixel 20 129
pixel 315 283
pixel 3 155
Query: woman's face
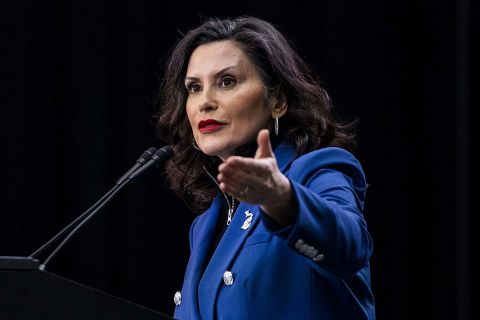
pixel 226 104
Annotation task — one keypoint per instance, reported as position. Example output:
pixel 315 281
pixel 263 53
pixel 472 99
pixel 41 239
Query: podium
pixel 27 293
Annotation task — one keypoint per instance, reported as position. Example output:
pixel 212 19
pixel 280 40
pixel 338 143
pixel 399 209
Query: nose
pixel 208 101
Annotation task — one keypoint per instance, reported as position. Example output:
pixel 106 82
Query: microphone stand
pixel 101 203
pixel 149 159
pixel 147 155
pixel 72 224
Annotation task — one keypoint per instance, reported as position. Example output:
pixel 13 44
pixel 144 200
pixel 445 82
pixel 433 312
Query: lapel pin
pixel 248 220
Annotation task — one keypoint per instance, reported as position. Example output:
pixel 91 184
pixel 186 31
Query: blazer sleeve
pixel 329 190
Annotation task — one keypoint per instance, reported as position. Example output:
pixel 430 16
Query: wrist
pixel 282 207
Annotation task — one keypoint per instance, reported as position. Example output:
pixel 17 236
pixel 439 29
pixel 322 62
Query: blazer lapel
pixel 199 251
pixel 221 261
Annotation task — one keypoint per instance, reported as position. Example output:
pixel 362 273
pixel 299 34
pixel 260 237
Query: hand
pixel 259 181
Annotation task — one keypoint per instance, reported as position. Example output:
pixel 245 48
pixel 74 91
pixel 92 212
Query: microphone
pixel 147 155
pixel 151 157
pixel 162 155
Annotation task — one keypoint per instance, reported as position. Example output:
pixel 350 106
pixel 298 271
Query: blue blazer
pixel 260 272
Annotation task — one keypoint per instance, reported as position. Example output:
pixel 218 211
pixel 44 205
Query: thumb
pixel 264 149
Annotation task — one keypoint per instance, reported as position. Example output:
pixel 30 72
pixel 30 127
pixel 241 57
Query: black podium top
pixel 28 293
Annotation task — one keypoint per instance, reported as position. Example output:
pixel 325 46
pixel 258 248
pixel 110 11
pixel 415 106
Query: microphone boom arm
pixel 149 159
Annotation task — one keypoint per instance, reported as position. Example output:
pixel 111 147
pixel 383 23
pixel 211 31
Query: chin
pixel 216 149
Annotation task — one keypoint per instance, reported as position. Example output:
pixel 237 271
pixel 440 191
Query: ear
pixel 280 106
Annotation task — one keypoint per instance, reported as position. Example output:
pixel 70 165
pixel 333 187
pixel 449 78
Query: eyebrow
pixel 216 73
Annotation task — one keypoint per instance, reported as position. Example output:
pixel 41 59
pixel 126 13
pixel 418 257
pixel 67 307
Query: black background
pixel 77 79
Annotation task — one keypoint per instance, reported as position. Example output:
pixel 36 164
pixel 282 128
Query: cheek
pixel 252 107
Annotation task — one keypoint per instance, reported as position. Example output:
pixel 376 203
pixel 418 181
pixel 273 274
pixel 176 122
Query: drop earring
pixel 276 126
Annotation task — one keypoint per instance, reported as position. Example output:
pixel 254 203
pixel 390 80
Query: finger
pixel 239 178
pixel 243 192
pixel 248 165
pixel 264 149
pixel 235 190
pixel 232 184
pixel 230 187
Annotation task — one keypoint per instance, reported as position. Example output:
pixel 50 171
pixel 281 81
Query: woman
pixel 252 130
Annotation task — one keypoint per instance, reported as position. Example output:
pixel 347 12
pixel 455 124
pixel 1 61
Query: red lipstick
pixel 209 125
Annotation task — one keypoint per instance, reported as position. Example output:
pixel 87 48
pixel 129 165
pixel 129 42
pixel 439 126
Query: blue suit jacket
pixel 271 278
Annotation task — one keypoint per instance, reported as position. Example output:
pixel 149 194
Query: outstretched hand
pixel 259 181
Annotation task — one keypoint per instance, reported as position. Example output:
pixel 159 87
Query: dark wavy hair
pixel 307 125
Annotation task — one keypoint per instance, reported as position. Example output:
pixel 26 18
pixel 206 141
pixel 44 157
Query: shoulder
pixel 326 157
pixel 198 221
pixel 329 158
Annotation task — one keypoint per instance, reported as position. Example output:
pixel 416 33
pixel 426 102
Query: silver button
pixel 299 243
pixel 177 298
pixel 309 252
pixel 228 278
pixel 318 257
pixel 303 248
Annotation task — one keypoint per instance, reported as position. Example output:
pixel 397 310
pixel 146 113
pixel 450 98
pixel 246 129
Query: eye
pixel 193 87
pixel 227 82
